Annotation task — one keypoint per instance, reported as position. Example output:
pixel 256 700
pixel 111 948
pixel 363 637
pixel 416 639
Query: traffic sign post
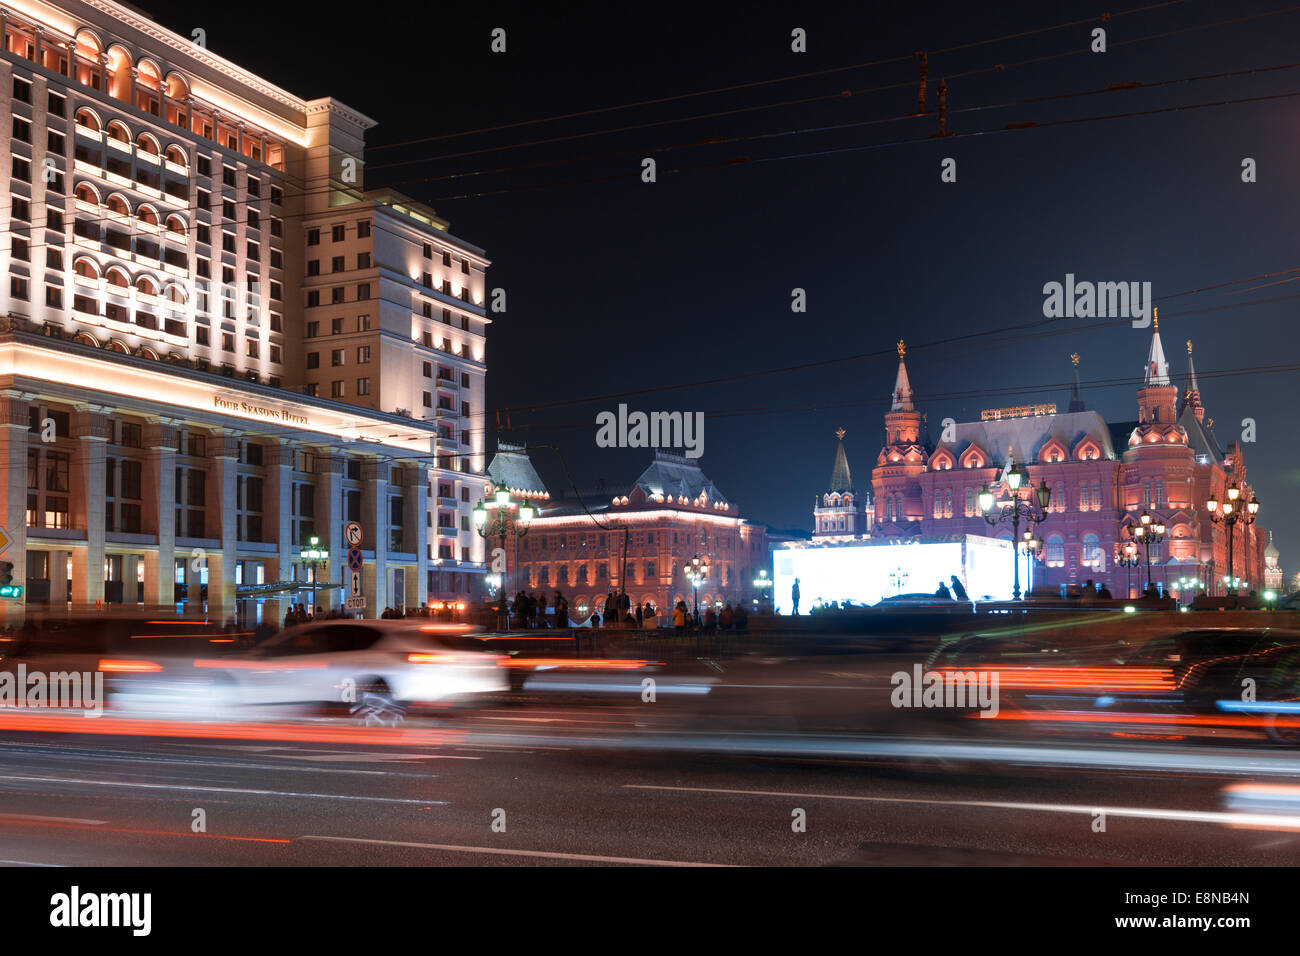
pixel 355 560
pixel 352 534
pixel 354 604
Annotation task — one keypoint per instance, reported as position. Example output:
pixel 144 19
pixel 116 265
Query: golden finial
pixel 1155 314
pixel 1074 358
pixel 839 433
pixel 1209 423
pixel 902 349
pixel 1189 346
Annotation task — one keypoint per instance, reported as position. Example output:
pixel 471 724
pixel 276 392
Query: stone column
pixel 416 532
pixel 90 428
pixel 222 521
pixel 374 519
pixel 59 577
pixel 13 479
pixel 277 517
pixel 160 488
pixel 130 578
pixel 330 512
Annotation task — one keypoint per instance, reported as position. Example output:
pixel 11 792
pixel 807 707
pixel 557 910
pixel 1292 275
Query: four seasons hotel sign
pixel 268 412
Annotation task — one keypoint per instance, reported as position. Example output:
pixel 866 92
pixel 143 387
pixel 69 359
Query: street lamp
pixel 1032 546
pixel 1228 514
pixel 1148 531
pixel 313 555
pixel 763 585
pixel 497 520
pixel 1128 558
pixel 1032 509
pixel 697 572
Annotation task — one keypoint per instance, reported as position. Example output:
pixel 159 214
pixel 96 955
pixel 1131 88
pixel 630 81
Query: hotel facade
pixel 216 344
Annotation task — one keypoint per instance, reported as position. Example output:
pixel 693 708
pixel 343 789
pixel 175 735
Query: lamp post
pixel 313 555
pixel 506 516
pixel 1229 513
pixel 763 585
pixel 1146 532
pixel 697 572
pixel 1018 508
pixel 1032 546
pixel 1128 558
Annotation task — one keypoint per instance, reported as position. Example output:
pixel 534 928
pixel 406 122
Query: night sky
pixel 614 285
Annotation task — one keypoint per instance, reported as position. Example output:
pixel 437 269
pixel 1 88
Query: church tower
pixel 841 512
pixel 901 460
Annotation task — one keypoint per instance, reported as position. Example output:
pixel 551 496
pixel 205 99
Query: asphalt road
pixel 558 778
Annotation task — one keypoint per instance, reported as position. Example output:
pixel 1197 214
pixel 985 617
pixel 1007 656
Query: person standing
pixel 794 596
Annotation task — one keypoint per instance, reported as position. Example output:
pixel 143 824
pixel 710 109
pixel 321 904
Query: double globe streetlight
pixel 1031 509
pixel 1229 513
pixel 314 557
pixel 506 516
pixel 1146 532
pixel 697 572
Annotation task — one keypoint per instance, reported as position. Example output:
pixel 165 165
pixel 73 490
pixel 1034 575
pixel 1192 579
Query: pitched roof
pixel 1200 437
pixel 1157 372
pixel 841 480
pixel 902 397
pixel 676 475
pixel 1026 436
pixel 512 467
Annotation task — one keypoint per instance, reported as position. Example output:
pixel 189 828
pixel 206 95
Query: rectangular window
pixel 336 357
pixel 313 237
pixel 336 388
pixel 337 233
pixel 363 386
pixel 363 354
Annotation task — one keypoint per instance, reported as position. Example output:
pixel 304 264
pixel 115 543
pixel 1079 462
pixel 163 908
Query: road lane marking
pixel 1268 820
pixel 29 863
pixel 258 793
pixel 33 816
pixel 500 851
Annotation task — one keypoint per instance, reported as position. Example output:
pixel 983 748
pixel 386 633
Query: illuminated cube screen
pixel 865 574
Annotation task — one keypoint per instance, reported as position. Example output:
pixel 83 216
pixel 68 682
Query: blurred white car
pixel 375 669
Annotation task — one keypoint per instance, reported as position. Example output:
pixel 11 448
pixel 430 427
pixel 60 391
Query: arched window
pixel 176 225
pixel 88 120
pixel 86 193
pixel 1055 551
pixel 147 214
pixel 116 277
pixel 146 285
pixel 117 130
pixel 938 504
pixel 177 155
pixel 1092 553
pixel 947 504
pixel 117 204
pixel 971 507
pixel 147 144
pixel 176 294
pixel 86 268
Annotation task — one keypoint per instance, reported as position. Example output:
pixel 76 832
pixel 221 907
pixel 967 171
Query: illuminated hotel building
pixel 671 513
pixel 216 343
